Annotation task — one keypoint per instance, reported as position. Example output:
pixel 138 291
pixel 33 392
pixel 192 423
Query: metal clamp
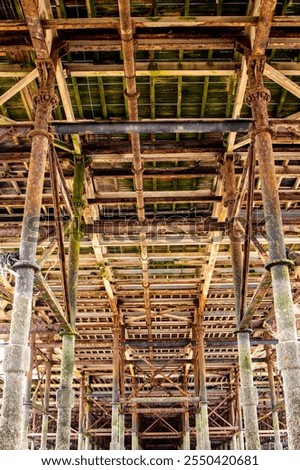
pixel 27 264
pixel 279 262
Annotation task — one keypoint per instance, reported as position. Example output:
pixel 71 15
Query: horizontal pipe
pixel 147 127
pixel 138 400
pixel 125 127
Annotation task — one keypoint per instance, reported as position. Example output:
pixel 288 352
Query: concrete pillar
pixel 45 419
pixel 16 355
pixel 277 442
pixel 288 349
pixel 249 397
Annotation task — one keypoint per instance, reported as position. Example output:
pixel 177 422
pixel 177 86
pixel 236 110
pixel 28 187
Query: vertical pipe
pixel 134 420
pixel 233 443
pixel 87 418
pixel 27 395
pixel 288 348
pixel 81 413
pixel 65 393
pixel 198 427
pixel 185 417
pixel 249 398
pixel 121 431
pixel 134 429
pixel 240 435
pixel 277 443
pixel 186 430
pixel 16 356
pixel 45 419
pixel 115 391
pixel 122 388
pixel 203 390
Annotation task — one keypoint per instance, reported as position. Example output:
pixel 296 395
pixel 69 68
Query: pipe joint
pixel 259 93
pixel 243 330
pixel 254 131
pixel 279 262
pixel 45 98
pixel 132 96
pixel 24 264
pixel 39 131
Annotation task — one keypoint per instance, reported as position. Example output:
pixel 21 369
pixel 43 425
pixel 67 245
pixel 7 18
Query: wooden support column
pixel 114 445
pixel 249 398
pixel 45 419
pixel 277 442
pixel 65 393
pixel 16 355
pixel 288 349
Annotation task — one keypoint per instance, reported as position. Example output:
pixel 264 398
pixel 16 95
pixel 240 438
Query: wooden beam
pixel 19 86
pixel 281 80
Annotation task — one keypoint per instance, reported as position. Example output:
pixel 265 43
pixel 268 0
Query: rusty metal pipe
pixel 132 94
pixel 288 350
pixel 248 391
pixel 16 359
pixel 275 418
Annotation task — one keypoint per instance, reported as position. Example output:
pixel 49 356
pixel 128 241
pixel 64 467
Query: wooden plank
pixel 281 80
pixel 29 77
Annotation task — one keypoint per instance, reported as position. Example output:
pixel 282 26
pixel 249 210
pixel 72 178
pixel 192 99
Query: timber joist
pixel 152 197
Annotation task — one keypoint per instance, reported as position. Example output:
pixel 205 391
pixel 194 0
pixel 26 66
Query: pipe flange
pixel 279 262
pixel 47 98
pixel 254 131
pixel 132 96
pixel 39 131
pixel 243 330
pixel 26 264
pixel 258 94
